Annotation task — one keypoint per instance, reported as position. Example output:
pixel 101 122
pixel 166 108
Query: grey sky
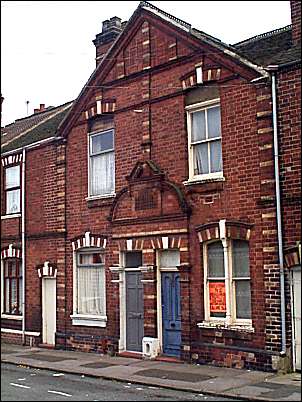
pixel 47 54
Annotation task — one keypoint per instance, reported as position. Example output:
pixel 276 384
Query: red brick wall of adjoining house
pixel 44 230
pixel 289 114
pixel 296 20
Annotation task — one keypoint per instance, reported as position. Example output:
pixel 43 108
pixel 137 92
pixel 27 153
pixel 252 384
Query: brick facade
pixel 142 91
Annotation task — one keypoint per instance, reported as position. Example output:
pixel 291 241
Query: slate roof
pixel 31 129
pixel 274 47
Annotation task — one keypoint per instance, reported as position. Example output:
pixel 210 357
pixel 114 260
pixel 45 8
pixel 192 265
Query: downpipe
pixel 278 210
pixel 23 245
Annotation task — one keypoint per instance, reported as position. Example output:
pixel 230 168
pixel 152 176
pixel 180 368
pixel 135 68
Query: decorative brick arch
pixel 11 252
pixel 292 256
pixel 233 230
pixel 89 240
pixel 47 270
pixel 153 243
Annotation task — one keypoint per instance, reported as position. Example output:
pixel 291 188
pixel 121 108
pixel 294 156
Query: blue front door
pixel 171 313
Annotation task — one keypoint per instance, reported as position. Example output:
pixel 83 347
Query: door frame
pixel 44 315
pixel 159 299
pixel 123 318
pixel 296 268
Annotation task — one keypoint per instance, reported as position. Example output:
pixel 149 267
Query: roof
pixel 34 128
pixel 274 47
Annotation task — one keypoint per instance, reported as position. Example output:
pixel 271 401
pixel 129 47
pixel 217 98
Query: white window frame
pixel 90 155
pixel 87 319
pixel 11 189
pixel 230 320
pixel 190 110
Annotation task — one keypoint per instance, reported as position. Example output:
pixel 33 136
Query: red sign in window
pixel 217 297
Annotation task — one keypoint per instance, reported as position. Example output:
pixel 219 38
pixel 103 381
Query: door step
pixel 46 346
pixel 134 355
pixel 168 359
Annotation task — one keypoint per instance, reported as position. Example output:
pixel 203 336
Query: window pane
pixel 96 145
pixel 12 176
pixel 243 299
pixel 102 174
pixel 169 258
pixel 91 291
pixel 12 201
pixel 102 142
pixel 217 299
pixel 198 126
pixel 240 259
pixel 20 295
pixel 7 296
pixel 201 160
pixel 134 259
pixel 93 258
pixel 215 260
pixel 214 122
pixel 215 156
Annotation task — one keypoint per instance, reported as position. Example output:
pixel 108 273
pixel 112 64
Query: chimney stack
pixel 41 109
pixel 110 31
pixel 295 6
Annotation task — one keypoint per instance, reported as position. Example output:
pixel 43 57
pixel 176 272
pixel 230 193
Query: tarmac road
pixel 20 383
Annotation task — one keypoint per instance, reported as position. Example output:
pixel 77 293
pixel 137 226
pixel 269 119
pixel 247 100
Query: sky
pixel 47 54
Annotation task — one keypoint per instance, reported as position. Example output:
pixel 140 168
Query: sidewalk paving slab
pixel 211 380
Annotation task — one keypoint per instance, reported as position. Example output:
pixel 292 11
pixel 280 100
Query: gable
pixel 152 43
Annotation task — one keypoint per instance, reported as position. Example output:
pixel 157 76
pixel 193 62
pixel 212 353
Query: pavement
pixel 205 379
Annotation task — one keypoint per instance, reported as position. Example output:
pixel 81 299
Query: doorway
pixel 49 310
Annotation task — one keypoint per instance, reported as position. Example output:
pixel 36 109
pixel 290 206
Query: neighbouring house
pixel 32 218
pixel 162 212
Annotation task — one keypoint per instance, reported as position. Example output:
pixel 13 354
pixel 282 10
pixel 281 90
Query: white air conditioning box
pixel 150 347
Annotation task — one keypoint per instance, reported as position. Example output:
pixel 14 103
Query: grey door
pixel 134 311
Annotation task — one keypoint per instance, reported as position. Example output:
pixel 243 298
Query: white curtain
pixel 102 174
pixel 91 282
pixel 215 156
pixel 12 177
pixel 201 160
pixel 13 201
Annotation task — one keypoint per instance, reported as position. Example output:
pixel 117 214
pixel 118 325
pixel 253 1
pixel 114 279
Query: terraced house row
pixel 158 214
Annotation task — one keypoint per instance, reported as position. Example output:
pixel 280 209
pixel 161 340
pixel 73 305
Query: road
pixel 20 383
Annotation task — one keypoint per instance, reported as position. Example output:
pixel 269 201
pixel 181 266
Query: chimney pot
pixel 42 106
pixel 110 31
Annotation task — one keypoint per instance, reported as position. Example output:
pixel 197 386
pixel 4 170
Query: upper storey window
pixel 204 126
pixel 101 163
pixel 12 189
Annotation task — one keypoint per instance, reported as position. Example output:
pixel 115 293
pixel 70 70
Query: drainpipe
pixel 273 70
pixel 23 244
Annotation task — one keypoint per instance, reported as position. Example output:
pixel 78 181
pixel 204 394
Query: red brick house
pixel 32 218
pixel 175 242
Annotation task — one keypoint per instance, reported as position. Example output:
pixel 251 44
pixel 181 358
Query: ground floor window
pixel 12 286
pixel 90 284
pixel 227 293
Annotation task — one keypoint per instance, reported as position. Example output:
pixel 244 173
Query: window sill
pixel 200 180
pixel 222 325
pixel 11 317
pixel 18 215
pixel 89 320
pixel 100 197
pixel 205 186
pixel 100 200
